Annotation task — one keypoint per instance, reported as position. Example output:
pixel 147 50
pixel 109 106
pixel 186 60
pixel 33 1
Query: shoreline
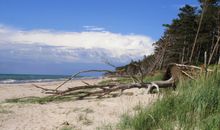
pixel 86 114
pixel 14 81
pixel 19 90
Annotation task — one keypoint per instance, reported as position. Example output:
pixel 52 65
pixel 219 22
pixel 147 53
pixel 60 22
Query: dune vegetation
pixel 194 105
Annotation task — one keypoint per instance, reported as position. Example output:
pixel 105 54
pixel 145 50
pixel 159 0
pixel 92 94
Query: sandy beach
pixel 87 114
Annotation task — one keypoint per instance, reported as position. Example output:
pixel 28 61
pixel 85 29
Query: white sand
pixel 81 114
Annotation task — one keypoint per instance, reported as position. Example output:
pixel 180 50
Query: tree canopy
pixel 179 41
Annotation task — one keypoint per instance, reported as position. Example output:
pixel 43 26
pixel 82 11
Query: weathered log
pixel 161 84
pixel 173 74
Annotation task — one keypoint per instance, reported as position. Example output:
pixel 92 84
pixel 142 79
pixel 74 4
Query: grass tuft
pixel 4 110
pixel 41 100
pixel 157 76
pixel 195 105
pixel 67 128
pixel 121 80
pixel 84 119
pixel 106 127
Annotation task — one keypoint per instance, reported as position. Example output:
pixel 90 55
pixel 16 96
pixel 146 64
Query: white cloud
pixel 93 28
pixel 113 45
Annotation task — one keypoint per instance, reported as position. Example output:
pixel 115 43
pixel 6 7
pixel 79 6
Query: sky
pixel 65 36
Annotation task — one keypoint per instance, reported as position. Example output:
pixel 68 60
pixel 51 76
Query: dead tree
pixel 197 33
pixel 174 73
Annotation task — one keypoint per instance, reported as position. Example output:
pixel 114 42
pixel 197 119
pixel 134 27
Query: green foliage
pixel 175 45
pixel 120 80
pixel 124 80
pixel 195 105
pixel 156 76
pixel 138 107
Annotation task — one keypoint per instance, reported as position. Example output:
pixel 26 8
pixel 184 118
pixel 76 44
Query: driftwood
pixel 173 74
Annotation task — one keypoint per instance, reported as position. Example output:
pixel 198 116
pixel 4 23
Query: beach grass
pixel 67 128
pixel 106 127
pixel 4 110
pixel 121 80
pixel 195 105
pixel 84 119
pixel 157 76
pixel 41 100
pixel 125 80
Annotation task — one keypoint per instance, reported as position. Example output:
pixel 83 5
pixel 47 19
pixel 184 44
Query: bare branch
pixel 108 63
pixel 45 89
pixel 85 71
pixel 187 75
pixel 101 90
pixel 86 83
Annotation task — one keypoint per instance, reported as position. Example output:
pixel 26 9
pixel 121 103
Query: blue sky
pixel 50 36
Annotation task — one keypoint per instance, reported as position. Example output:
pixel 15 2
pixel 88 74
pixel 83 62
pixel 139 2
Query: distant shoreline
pixel 19 90
pixel 28 78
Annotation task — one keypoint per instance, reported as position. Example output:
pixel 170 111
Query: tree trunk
pixel 213 51
pixel 183 55
pixel 219 60
pixel 197 60
pixel 197 33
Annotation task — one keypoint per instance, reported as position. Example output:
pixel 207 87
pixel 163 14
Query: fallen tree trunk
pixel 173 74
pixel 102 90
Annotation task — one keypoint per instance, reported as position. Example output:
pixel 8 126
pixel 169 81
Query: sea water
pixel 26 78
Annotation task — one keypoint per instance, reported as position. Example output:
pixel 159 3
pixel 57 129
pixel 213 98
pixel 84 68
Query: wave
pixel 7 81
pixel 12 81
pixel 29 78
